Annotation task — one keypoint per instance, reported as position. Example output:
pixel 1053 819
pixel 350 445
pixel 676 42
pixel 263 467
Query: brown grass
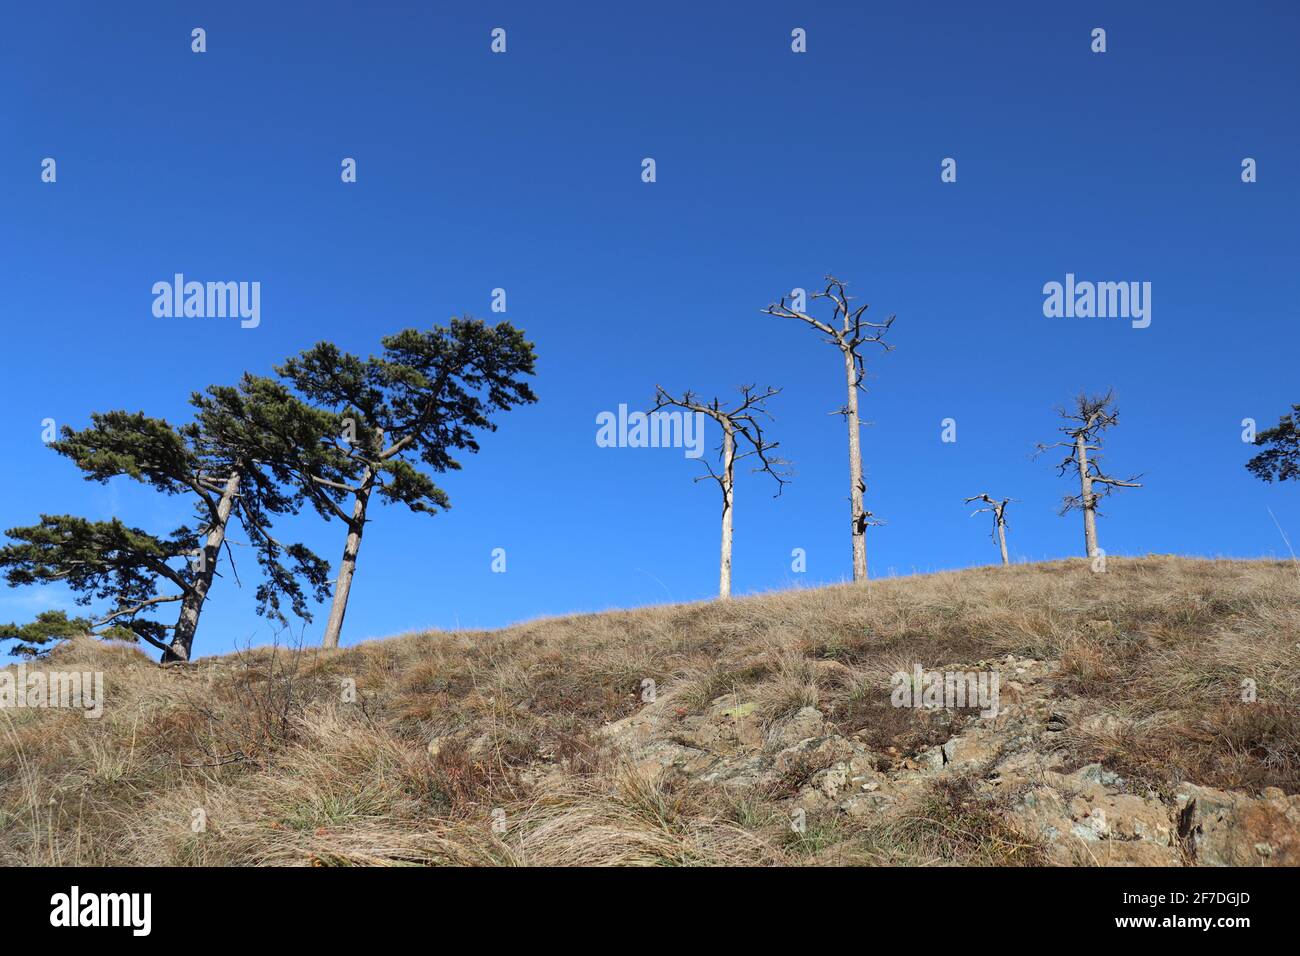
pixel 450 727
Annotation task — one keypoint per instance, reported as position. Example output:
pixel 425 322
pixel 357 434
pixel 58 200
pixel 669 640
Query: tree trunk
pixel 1089 502
pixel 348 564
pixel 728 500
pixel 1002 540
pixel 855 472
pixel 192 606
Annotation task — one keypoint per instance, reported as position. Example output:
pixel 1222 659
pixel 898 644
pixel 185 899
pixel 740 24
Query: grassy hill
pixel 771 738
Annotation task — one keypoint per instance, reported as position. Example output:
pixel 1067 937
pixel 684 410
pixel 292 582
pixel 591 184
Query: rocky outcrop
pixel 1013 761
pixel 1232 829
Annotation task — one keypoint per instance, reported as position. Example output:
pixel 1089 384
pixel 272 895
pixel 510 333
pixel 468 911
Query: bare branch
pixel 137 608
pixel 743 420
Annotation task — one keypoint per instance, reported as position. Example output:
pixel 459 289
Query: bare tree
pixel 848 331
pixel 742 437
pixel 1085 424
pixel 999 510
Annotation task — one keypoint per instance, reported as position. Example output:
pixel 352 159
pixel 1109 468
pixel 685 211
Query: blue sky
pixel 523 171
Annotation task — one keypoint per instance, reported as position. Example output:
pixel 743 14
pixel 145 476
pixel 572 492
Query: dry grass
pixel 449 727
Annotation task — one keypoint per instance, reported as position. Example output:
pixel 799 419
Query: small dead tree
pixel 742 437
pixel 1085 425
pixel 849 331
pixel 999 511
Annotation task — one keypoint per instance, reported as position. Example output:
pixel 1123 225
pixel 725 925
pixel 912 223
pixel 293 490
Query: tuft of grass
pixel 954 826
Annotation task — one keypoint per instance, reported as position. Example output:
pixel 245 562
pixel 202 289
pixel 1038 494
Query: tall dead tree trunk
pixel 1088 500
pixel 856 485
pixel 849 331
pixel 999 511
pixel 728 503
pixel 739 424
pixel 1086 424
pixel 187 623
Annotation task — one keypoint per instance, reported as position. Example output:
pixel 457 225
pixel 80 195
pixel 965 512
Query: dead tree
pixel 999 510
pixel 848 331
pixel 742 437
pixel 1085 425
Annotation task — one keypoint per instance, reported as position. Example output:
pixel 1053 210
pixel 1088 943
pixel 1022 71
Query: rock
pixel 867 804
pixel 883 797
pixel 927 760
pixel 1024 767
pixel 1094 773
pixel 1135 818
pixel 696 731
pixel 1093 820
pixel 1117 853
pixel 1088 817
pixel 971 749
pixel 1089 823
pixel 1233 829
pixel 642 726
pixel 855 774
pixel 1125 817
pixel 738 772
pixel 1011 694
pixel 664 756
pixel 818 752
pixel 1041 813
pixel 541 775
pixel 1106 724
pixel 808 722
pixel 727 726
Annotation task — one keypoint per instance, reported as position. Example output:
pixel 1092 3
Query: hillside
pixel 1122 736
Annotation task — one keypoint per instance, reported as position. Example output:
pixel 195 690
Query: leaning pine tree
pixel 127 573
pixel 230 473
pixel 273 438
pixel 403 414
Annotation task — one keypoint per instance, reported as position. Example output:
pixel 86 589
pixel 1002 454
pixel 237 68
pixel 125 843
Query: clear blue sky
pixel 522 171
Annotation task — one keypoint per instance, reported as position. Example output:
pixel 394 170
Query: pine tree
pixel 50 626
pixel 1280 459
pixel 99 561
pixel 277 441
pixel 231 468
pixel 404 414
